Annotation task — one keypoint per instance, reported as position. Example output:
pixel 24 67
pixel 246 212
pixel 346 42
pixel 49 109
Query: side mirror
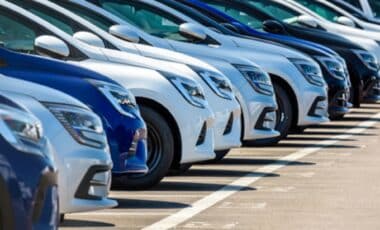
pixel 307 21
pixel 89 38
pixel 124 33
pixel 272 26
pixel 192 31
pixel 51 46
pixel 345 21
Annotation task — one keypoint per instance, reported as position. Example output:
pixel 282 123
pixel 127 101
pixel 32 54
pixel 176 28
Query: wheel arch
pixel 289 90
pixel 172 123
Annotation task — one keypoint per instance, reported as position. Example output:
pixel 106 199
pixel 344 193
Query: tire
pixel 284 118
pixel 356 97
pixel 180 170
pixel 337 117
pixel 61 218
pixel 160 153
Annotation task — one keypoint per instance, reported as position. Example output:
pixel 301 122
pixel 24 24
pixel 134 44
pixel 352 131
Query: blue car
pixel 28 177
pixel 124 126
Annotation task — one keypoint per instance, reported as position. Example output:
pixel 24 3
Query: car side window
pixel 95 18
pixel 375 6
pixel 15 35
pixel 321 10
pixel 274 9
pixel 18 33
pixel 238 14
pixel 151 20
pixel 355 3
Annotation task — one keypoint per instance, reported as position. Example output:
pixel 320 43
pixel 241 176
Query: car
pixel 333 66
pixel 181 37
pixel 28 175
pixel 355 11
pixel 338 15
pixel 85 172
pixel 218 89
pixel 362 65
pixel 168 103
pixel 367 39
pixel 370 8
pixel 252 127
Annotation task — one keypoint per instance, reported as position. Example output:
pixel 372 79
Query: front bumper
pixel 339 102
pixel 371 90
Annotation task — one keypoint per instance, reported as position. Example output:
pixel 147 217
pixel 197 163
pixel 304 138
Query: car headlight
pixel 368 59
pixel 311 72
pixel 117 95
pixel 21 129
pixel 189 89
pixel 218 83
pixel 83 125
pixel 334 67
pixel 257 78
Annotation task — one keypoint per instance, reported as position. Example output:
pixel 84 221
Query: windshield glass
pixel 93 17
pixel 275 9
pixel 238 13
pixel 375 6
pixel 321 9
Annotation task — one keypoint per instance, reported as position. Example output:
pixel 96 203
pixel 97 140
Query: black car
pixel 332 65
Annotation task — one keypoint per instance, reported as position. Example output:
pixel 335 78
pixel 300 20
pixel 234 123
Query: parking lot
pixel 326 178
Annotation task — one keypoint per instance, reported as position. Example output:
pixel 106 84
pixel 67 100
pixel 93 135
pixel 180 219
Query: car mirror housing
pixel 272 26
pixel 89 38
pixel 51 46
pixel 307 21
pixel 124 33
pixel 192 31
pixel 343 20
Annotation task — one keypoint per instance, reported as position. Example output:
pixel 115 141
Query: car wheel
pixel 180 170
pixel 284 118
pixel 160 152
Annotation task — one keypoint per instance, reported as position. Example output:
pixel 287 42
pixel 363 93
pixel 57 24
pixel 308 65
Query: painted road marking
pixel 197 207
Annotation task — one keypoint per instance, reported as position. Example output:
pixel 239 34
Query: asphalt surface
pixel 326 178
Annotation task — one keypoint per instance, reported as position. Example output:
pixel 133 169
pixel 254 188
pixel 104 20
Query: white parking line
pixel 197 207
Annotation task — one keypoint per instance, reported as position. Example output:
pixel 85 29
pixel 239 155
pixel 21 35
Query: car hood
pixel 39 92
pixel 269 47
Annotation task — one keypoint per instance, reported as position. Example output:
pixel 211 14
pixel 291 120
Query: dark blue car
pixel 124 126
pixel 28 177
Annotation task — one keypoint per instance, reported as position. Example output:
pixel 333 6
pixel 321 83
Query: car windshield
pixel 275 9
pixel 238 13
pixel 375 6
pixel 321 9
pixel 145 17
pixel 93 17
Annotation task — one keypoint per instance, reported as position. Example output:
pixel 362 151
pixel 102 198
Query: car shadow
pixel 194 186
pixel 245 161
pixel 298 138
pixel 335 133
pixel 148 204
pixel 359 119
pixel 340 126
pixel 72 223
pixel 363 112
pixel 225 173
pixel 306 145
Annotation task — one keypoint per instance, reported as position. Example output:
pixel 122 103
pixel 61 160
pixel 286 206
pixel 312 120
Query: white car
pixel 255 105
pixel 338 15
pixel 218 89
pixel 175 104
pixel 371 8
pixel 245 95
pixel 183 34
pixel 367 39
pixel 78 183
